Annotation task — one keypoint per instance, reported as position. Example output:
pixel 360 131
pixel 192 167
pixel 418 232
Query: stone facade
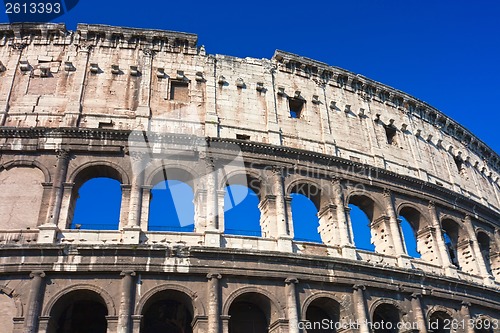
pixel 74 106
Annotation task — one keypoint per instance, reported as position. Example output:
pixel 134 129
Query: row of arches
pixel 96 201
pixel 173 311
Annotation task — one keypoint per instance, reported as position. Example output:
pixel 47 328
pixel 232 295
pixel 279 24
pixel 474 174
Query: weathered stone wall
pixel 68 104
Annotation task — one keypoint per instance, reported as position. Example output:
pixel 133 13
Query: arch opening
pixel 485 247
pixel 439 322
pixel 171 206
pixel 168 311
pixel 451 239
pixel 241 211
pixel 361 231
pixel 322 310
pixel 97 205
pixel 386 318
pixel 81 311
pixel 408 231
pixel 250 313
pixel 305 205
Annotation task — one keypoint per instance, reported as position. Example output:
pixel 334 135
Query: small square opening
pixel 295 105
pixel 179 91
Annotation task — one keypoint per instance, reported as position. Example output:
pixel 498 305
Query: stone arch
pixel 278 308
pixel 297 184
pixel 198 308
pixel 435 319
pixel 439 308
pixel 108 300
pixel 15 297
pixel 181 172
pixel 357 197
pixel 93 169
pixel 254 181
pixel 381 301
pixel 487 247
pixel 456 244
pixel 386 314
pixel 27 163
pixel 311 298
pixel 484 323
pixel 422 235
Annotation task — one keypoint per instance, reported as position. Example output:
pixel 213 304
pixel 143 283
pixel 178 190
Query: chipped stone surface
pixel 68 103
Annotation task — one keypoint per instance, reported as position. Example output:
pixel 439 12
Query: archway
pixel 440 322
pixel 96 199
pixel 168 311
pixel 322 310
pixel 485 247
pixel 81 311
pixel 386 318
pixel 451 238
pixel 360 210
pixel 250 313
pixel 305 205
pixel 171 202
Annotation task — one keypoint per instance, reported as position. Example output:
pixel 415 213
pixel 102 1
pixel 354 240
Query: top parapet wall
pixel 18 34
pixel 119 78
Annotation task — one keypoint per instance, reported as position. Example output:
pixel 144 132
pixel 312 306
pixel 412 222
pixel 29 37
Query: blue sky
pixel 445 53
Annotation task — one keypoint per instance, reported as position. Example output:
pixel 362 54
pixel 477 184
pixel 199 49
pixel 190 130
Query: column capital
pixel 291 280
pixel 359 287
pixel 465 304
pixel 387 193
pixel 127 273
pixel 277 170
pixel 40 274
pixel 431 204
pixel 216 276
pixel 415 295
pixel 62 154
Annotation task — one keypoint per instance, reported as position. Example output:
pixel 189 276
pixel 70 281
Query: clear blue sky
pixel 443 52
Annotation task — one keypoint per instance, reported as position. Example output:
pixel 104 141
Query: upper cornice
pixel 19 35
pixel 370 89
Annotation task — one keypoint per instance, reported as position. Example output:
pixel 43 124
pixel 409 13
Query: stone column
pixel 127 295
pixel 465 312
pixel 213 302
pixel 34 302
pixel 131 228
pixel 444 257
pixel 282 210
pixel 291 302
pixel 418 314
pixel 477 254
pixel 56 195
pixel 346 242
pixel 394 225
pixel 360 309
pixel 212 233
pixel 225 323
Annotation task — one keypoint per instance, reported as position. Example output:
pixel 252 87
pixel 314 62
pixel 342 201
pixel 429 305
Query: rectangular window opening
pixel 179 91
pixel 296 105
pixel 390 133
pixel 242 137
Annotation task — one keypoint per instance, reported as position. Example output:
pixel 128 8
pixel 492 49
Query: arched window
pixel 485 247
pixel 171 207
pixel 451 237
pixel 79 311
pixel 385 319
pixel 305 207
pixel 250 313
pixel 241 211
pixel 98 205
pixel 322 310
pixel 410 240
pixel 360 224
pixel 167 311
pixel 484 325
pixel 439 322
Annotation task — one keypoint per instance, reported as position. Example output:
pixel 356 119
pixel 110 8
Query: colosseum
pixel 141 108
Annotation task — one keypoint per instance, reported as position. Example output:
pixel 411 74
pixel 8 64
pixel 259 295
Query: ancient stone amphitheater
pixel 142 107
